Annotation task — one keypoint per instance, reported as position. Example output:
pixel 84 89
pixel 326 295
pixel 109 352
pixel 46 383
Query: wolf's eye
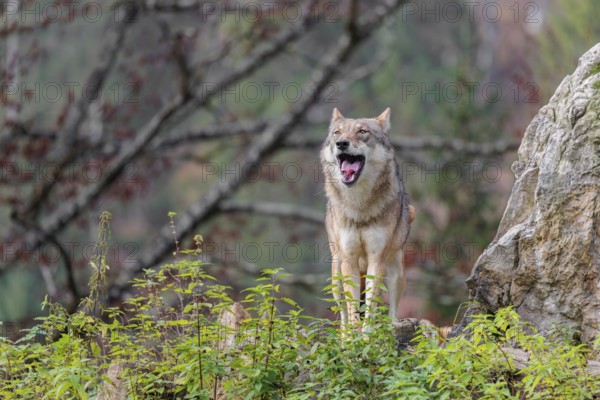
pixel 336 133
pixel 362 132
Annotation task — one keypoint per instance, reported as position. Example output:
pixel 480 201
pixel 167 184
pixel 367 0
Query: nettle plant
pixel 182 337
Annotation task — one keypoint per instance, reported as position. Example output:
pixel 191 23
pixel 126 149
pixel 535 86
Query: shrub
pixel 182 337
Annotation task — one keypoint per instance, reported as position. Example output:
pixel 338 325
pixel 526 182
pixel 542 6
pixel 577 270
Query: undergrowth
pixel 182 337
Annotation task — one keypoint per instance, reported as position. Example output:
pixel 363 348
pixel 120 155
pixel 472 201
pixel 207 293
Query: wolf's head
pixel 356 147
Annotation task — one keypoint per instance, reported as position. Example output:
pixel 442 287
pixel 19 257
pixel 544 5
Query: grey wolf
pixel 368 214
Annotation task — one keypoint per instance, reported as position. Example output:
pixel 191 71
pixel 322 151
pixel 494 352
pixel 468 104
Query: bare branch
pixel 21 129
pixel 179 56
pixel 257 58
pixel 457 146
pixel 181 5
pixel 12 25
pixel 68 211
pixel 78 111
pixel 207 8
pixel 217 132
pixel 63 253
pixel 269 209
pixel 422 144
pixel 11 105
pixel 402 145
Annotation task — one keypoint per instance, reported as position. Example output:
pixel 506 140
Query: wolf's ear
pixel 336 115
pixel 384 120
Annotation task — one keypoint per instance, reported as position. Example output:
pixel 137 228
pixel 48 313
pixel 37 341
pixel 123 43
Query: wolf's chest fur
pixel 372 199
pixel 357 243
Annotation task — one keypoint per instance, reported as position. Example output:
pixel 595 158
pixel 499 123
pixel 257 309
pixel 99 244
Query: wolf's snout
pixel 342 144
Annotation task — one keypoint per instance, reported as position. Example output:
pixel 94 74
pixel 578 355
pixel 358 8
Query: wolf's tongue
pixel 349 168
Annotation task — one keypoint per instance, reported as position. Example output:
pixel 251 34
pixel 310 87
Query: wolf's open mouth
pixel 350 167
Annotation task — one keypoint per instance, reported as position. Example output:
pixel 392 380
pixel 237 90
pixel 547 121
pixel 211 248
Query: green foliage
pixel 482 365
pixel 183 337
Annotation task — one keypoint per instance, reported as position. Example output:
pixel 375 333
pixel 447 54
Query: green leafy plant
pixel 181 336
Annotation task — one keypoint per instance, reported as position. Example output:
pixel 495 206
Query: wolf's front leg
pixel 375 275
pixel 372 293
pixel 396 282
pixel 351 290
pixel 338 290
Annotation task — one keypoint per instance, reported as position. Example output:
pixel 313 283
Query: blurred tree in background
pixel 216 110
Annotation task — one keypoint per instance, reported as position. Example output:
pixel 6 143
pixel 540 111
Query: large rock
pixel 545 258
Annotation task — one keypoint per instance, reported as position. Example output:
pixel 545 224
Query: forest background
pixel 142 108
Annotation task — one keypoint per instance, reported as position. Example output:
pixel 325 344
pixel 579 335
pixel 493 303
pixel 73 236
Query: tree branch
pixel 296 142
pixel 257 58
pixel 12 26
pixel 63 252
pixel 422 144
pixel 218 132
pixel 77 113
pixel 270 209
pixel 208 8
pixel 68 211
